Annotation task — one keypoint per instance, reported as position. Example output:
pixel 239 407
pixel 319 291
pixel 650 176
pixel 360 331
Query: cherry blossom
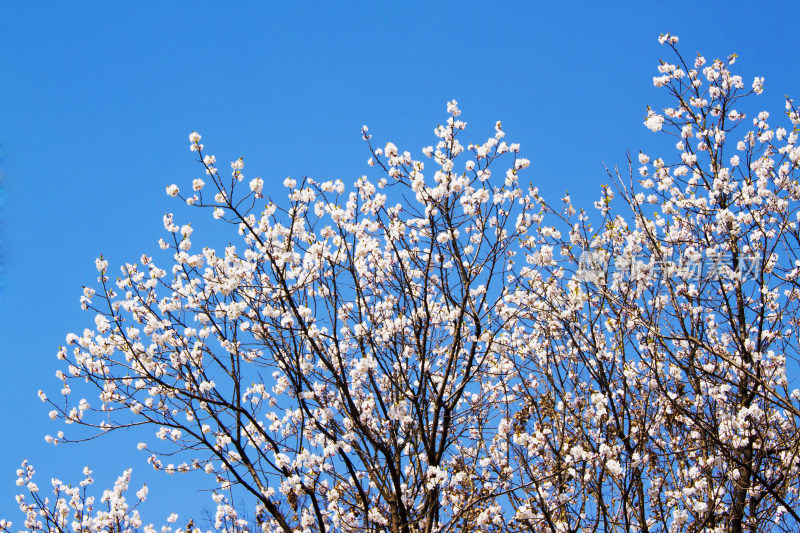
pixel 437 348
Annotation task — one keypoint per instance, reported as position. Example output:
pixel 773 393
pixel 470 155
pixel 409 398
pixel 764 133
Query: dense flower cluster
pixel 423 352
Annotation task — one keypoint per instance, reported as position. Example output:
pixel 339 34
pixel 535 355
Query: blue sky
pixel 98 99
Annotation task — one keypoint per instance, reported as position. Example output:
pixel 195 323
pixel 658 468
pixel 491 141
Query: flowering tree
pixel 440 349
pixel 657 395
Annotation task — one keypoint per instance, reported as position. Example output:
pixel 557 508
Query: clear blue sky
pixel 98 99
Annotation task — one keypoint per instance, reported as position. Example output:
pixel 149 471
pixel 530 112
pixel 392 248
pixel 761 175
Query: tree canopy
pixel 438 348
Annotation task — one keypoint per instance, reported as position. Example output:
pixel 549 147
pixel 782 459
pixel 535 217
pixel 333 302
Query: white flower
pixel 667 38
pixel 758 85
pixel 614 467
pixel 452 108
pixel 257 185
pixel 194 137
pixel 654 121
pixel 376 516
pixel 173 190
